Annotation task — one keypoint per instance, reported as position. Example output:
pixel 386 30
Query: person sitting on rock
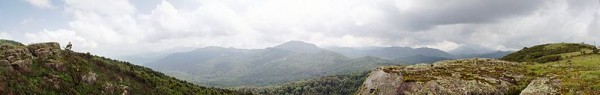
pixel 69 46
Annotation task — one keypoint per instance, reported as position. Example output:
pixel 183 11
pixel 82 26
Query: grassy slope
pixel 113 77
pixel 578 69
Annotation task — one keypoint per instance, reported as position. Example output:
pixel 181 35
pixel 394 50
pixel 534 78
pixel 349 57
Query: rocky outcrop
pixel 45 50
pixel 542 86
pixel 453 77
pixel 17 57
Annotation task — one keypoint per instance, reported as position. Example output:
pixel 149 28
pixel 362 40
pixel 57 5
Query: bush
pixel 548 59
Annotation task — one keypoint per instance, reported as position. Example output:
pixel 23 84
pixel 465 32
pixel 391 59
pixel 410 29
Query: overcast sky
pixel 122 27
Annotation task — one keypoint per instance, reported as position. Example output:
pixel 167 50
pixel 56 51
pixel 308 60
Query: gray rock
pixel 541 86
pixel 4 63
pixel 89 78
pixel 454 77
pixel 44 50
pixel 56 65
pixel 21 65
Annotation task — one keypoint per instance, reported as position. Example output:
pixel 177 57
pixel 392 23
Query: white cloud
pixel 63 37
pixel 5 35
pixel 115 27
pixel 101 7
pixel 41 3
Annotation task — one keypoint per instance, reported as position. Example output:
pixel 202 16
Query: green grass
pixel 577 75
pixel 9 43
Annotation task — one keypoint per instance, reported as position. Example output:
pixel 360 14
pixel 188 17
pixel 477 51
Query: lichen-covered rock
pixel 453 77
pixel 4 63
pixel 383 83
pixel 17 57
pixel 56 65
pixel 89 78
pixel 109 88
pixel 541 86
pixel 44 50
pixel 14 53
pixel 52 81
pixel 22 65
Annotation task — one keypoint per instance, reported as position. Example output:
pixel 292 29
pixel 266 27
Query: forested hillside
pixel 328 85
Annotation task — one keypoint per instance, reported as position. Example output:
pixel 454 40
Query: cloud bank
pixel 120 28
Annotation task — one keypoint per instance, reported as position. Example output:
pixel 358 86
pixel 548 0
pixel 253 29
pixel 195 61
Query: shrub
pixel 548 59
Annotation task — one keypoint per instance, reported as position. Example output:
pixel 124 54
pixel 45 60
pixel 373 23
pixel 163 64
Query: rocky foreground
pixel 548 69
pixel 455 77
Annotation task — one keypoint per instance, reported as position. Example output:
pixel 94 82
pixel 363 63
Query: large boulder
pixel 89 78
pixel 56 65
pixel 52 81
pixel 45 50
pixel 14 53
pixel 542 86
pixel 22 65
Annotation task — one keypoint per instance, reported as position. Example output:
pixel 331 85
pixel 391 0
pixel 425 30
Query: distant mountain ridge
pixel 299 46
pixel 290 61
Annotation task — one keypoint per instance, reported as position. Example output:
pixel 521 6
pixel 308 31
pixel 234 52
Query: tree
pixel 595 51
pixel 69 46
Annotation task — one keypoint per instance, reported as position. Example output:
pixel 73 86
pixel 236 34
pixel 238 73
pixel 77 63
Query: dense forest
pixel 328 85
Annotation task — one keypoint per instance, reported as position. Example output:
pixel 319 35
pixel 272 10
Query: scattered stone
pixel 52 81
pixel 109 88
pixel 89 78
pixel 56 65
pixel 125 89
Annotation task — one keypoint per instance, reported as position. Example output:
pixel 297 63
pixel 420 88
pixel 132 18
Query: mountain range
pixel 290 61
